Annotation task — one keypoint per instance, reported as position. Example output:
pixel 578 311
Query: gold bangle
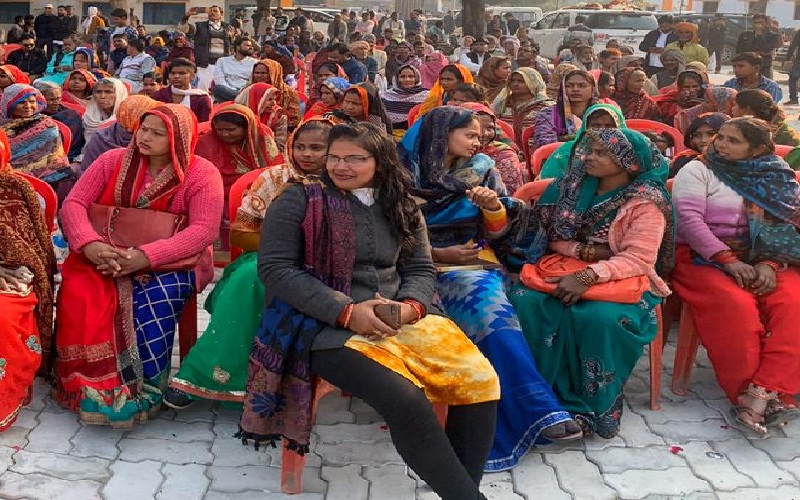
pixel 585 278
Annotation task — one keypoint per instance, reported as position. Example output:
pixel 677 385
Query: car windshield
pixel 614 21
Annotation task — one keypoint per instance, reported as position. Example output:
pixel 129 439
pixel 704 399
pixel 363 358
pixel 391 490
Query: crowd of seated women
pixel 379 249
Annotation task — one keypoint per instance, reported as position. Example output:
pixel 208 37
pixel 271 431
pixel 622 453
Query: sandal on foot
pixel 778 413
pixel 563 431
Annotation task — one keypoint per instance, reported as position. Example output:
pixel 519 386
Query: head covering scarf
pixel 130 111
pixel 689 27
pixel 501 141
pixel 501 149
pixel 564 121
pixel 91 13
pixel 398 101
pixel 288 100
pixel 423 150
pixel 359 44
pixel 25 241
pixel 713 120
pixel 557 78
pixel 258 151
pixel 337 85
pixel 255 97
pixel 515 41
pixel 35 141
pixel 89 53
pixel 15 74
pixel 678 56
pixel 73 102
pixel 490 81
pixel 556 165
pixel 717 99
pixel 567 209
pixel 185 52
pixel 94 117
pixel 436 97
pixel 634 106
pixel 372 105
pixel 431 67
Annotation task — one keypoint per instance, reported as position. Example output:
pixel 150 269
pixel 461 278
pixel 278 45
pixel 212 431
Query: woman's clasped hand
pixel 760 278
pixel 115 262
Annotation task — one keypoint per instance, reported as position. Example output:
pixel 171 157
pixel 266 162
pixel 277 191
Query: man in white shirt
pixel 136 65
pixel 232 73
pixel 366 25
pixel 396 25
pixel 473 59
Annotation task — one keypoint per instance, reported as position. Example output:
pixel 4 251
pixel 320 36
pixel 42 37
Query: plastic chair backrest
pixel 540 156
pixel 50 199
pixel 235 200
pixel 782 150
pixel 412 114
pixel 658 127
pixel 508 130
pixel 66 135
pixel 531 191
pixel 526 149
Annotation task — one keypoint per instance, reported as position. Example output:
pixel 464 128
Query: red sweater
pixel 199 198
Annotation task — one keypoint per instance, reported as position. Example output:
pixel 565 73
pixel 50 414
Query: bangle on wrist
pixel 774 265
pixel 586 277
pixel 344 317
pixel 725 257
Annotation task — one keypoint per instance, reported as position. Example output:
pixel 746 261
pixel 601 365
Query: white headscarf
pixel 94 118
pixel 87 23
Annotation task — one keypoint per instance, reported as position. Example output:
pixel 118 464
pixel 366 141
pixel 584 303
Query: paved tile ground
pixel 685 450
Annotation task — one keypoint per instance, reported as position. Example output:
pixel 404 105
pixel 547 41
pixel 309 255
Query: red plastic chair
pixel 531 192
pixel 658 127
pixel 508 130
pixel 235 200
pixel 49 196
pixel 412 115
pixel 540 156
pixel 782 150
pixel 66 135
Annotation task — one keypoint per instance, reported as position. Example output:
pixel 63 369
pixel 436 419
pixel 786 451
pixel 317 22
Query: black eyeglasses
pixel 27 45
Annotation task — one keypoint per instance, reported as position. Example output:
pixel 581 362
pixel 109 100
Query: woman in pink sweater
pixel 610 219
pixel 119 302
pixel 741 285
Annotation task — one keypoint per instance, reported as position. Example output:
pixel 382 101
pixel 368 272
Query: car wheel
pixel 728 52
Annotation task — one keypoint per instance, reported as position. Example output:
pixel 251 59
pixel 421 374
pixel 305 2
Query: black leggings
pixel 450 461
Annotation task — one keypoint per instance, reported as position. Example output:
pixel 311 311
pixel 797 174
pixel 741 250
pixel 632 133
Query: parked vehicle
pixel 525 15
pixel 629 27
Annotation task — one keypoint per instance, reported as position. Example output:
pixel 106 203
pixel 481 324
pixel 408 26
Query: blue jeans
pixel 794 76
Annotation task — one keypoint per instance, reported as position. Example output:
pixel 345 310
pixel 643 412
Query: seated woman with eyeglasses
pixel 349 288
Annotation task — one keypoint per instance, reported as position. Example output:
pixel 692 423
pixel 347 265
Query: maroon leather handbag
pixel 133 227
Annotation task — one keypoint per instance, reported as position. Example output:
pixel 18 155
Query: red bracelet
pixel 725 257
pixel 344 317
pixel 418 308
pixel 774 265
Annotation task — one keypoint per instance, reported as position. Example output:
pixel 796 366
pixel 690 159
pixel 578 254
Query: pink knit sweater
pixel 200 198
pixel 634 237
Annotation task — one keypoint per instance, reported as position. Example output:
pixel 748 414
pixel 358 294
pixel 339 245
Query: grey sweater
pixel 378 267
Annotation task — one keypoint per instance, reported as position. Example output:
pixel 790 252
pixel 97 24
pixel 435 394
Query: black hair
pixel 749 57
pixel 666 18
pixel 475 91
pixel 181 62
pixel 152 75
pixel 27 36
pixel 119 35
pixel 332 66
pixel 391 177
pixel 340 48
pixel 18 19
pixel 120 13
pixel 453 70
pixel 760 102
pixel 755 131
pixel 137 44
pixel 240 40
pixel 232 118
pixel 692 75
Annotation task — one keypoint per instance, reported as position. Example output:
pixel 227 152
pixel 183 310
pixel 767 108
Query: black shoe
pixel 791 102
pixel 177 399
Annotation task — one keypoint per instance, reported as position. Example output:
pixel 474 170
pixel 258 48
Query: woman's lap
pixel 20 354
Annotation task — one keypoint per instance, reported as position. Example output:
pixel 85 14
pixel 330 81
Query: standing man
pixel 793 56
pixel 413 25
pixel 654 42
pixel 118 53
pixel 15 32
pixel 366 25
pixel 747 68
pixel 449 23
pixel 43 26
pixel 73 20
pixel 211 43
pixel 356 72
pixel 337 30
pixel 716 39
pixel 760 40
pixel 232 73
pixel 512 24
pixel 396 25
pixel 352 22
pixel 60 27
pixel 473 60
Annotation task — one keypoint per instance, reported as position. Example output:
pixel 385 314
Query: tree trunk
pixel 472 15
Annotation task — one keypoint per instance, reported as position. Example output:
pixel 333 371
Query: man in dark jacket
pixel 43 26
pixel 356 72
pixel 654 43
pixel 28 58
pixel 73 20
pixel 762 41
pixel 211 42
pixel 793 56
pixel 716 39
pixel 14 34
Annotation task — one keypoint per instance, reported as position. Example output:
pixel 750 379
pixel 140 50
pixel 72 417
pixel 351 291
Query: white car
pixel 629 27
